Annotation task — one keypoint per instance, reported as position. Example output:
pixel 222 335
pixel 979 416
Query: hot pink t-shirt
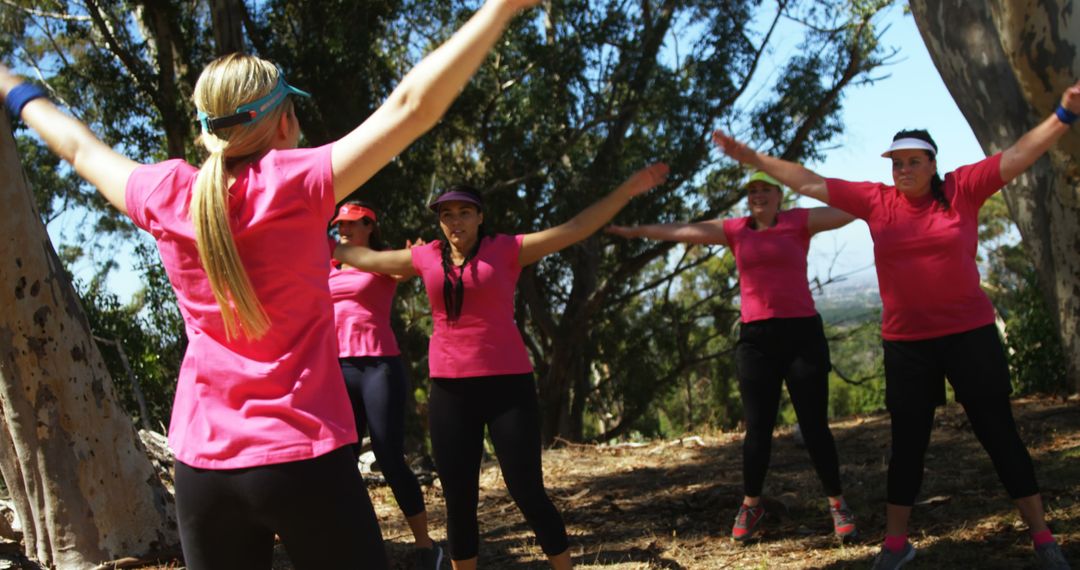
pixel 485 340
pixel 925 255
pixel 772 266
pixel 362 304
pixel 281 398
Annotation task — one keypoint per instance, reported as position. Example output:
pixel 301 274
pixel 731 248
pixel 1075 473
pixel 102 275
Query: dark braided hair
pixel 937 189
pixel 454 285
pixel 375 241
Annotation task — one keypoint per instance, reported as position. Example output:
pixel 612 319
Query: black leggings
pixel 974 362
pixel 319 507
pixel 768 353
pixel 458 410
pixel 378 387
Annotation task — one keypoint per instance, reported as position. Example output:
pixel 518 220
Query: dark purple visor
pixel 455 197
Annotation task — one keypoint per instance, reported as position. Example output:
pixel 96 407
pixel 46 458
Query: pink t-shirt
pixel 772 266
pixel 925 255
pixel 485 340
pixel 362 304
pixel 281 398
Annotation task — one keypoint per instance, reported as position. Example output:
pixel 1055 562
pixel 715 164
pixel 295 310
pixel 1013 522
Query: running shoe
pixel 747 522
pixel 889 560
pixel 843 521
pixel 1051 557
pixel 429 558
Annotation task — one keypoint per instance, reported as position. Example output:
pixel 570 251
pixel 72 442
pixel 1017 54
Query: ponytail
pixel 454 286
pixel 241 311
pixel 937 190
pixel 226 84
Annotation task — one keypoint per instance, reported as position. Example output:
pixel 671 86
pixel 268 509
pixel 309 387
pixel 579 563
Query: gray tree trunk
pixel 84 490
pixel 1006 64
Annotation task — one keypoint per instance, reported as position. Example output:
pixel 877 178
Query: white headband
pixel 909 144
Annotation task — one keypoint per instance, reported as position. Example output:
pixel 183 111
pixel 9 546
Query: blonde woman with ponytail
pixel 261 423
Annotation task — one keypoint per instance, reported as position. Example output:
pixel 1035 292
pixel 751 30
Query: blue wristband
pixel 22 94
pixel 1066 116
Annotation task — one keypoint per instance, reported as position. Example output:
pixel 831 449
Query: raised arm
pixel 421 98
pixel 396 262
pixel 72 141
pixel 795 176
pixel 825 219
pixel 707 232
pixel 1025 151
pixel 536 245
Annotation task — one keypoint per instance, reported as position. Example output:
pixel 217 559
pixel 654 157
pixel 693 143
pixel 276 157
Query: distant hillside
pixel 849 302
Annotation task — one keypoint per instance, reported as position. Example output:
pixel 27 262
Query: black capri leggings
pixel 768 353
pixel 378 387
pixel 974 362
pixel 319 507
pixel 458 410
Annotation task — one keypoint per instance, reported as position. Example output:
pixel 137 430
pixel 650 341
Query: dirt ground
pixel 670 504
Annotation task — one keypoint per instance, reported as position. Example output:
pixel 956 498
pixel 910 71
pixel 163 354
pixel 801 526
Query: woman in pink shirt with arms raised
pixel 261 422
pixel 781 339
pixel 374 374
pixel 936 321
pixel 480 369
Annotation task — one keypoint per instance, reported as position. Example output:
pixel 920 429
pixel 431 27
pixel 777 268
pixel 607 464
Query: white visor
pixel 909 144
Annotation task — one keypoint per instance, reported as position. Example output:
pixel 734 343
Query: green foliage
pixel 142 348
pixel 857 382
pixel 1036 357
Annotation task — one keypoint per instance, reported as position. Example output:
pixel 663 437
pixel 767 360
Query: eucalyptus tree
pixel 1006 65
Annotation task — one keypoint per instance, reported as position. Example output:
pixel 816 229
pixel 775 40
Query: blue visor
pixel 253 111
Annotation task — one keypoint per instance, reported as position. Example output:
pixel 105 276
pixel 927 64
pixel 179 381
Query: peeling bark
pixel 83 487
pixel 1006 64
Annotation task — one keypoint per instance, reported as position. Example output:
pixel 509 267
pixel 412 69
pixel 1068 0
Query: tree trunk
pixel 568 359
pixel 1006 65
pixel 83 487
pixel 228 24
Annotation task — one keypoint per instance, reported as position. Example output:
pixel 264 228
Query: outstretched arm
pixel 72 141
pixel 825 219
pixel 421 98
pixel 409 244
pixel 1025 151
pixel 536 245
pixel 396 262
pixel 795 176
pixel 707 232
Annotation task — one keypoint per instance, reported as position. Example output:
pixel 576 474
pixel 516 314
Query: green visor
pixel 253 111
pixel 762 176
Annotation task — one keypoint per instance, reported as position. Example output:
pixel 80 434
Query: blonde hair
pixel 227 83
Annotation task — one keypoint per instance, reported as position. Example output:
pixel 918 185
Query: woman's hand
pixel 8 80
pixel 646 179
pixel 1071 98
pixel 409 244
pixel 734 148
pixel 627 232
